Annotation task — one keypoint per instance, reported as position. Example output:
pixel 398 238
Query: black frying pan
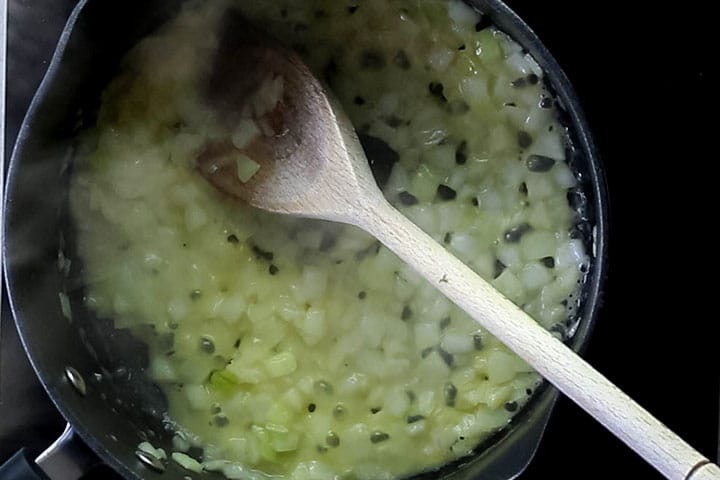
pixel 93 372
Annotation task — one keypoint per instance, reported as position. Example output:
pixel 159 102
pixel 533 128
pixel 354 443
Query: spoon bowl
pixel 304 127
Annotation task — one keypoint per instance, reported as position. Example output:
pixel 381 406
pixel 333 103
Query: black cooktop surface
pixel 646 79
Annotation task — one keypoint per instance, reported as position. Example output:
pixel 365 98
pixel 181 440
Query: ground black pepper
pixel 415 418
pixel 446 193
pixel 450 394
pixel 407 199
pixel 514 234
pixel 539 163
pixel 524 139
pixel 461 153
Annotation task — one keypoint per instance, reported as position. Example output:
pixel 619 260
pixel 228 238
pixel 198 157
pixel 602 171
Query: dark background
pixel 643 75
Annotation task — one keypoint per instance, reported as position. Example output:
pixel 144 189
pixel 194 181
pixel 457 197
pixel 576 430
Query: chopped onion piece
pixel 157 453
pixel 187 462
pixel 246 131
pixel 246 167
pixel 65 306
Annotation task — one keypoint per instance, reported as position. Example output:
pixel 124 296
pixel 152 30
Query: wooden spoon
pixel 312 165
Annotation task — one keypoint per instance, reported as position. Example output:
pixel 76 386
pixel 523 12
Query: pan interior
pixel 113 362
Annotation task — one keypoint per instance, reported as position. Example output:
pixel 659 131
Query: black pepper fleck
pixel 450 394
pixel 377 437
pixel 514 234
pixel 447 357
pixel 232 238
pixel 461 153
pixel 362 295
pixel 436 90
pixel 414 418
pixel 446 193
pixel 524 139
pixel 260 253
pixel 273 269
pixel 511 406
pixel 311 407
pixel 406 313
pixel 220 420
pixel 477 341
pixel 549 262
pixel 207 345
pixel 539 163
pixel 519 83
pixel 444 323
pixel 407 199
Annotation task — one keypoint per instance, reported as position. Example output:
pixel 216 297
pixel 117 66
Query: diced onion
pixel 246 167
pixel 187 462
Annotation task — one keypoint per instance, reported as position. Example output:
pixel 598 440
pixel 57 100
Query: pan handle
pixel 21 467
pixel 68 458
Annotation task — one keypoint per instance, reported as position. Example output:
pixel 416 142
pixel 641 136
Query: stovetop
pixel 27 418
pixel 645 82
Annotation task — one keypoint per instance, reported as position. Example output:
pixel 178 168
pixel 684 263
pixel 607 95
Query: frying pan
pixel 94 373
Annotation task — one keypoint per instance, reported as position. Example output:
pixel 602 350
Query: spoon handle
pixel 562 367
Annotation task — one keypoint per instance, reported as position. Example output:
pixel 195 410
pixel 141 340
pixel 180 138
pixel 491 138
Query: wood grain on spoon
pixel 313 166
